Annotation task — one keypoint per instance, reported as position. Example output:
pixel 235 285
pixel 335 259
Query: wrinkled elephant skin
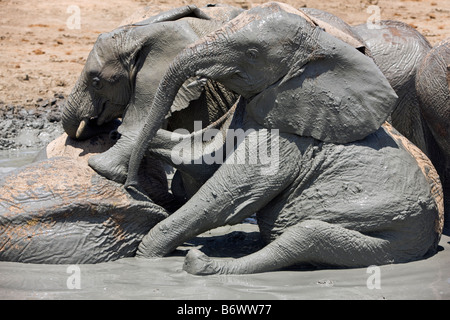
pixel 58 211
pixel 433 89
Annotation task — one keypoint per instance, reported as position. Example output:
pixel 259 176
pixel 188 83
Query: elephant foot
pixel 109 166
pixel 198 263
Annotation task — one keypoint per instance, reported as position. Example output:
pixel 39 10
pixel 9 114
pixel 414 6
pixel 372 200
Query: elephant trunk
pixel 70 118
pixel 77 113
pixel 193 61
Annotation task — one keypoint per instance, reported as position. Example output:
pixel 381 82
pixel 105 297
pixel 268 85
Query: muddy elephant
pixel 433 91
pixel 336 189
pixel 402 54
pixel 398 49
pixel 121 76
pixel 60 211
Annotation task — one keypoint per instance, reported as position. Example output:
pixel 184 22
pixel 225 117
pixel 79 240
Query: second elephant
pixel 337 189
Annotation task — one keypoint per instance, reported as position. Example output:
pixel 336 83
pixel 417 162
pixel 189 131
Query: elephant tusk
pixel 81 128
pixel 201 82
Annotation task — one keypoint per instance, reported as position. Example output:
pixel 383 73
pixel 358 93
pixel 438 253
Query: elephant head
pixel 102 91
pixel 121 62
pixel 294 76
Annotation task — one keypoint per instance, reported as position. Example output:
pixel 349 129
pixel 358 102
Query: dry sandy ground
pixel 43 50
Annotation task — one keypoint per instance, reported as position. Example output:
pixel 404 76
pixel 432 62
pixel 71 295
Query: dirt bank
pixel 43 48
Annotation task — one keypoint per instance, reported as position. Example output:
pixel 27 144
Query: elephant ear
pixel 336 94
pixel 154 46
pixel 191 90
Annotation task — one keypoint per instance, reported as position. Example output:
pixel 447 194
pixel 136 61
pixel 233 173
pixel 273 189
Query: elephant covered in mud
pixel 433 91
pixel 338 189
pixel 121 76
pixel 59 210
pixel 404 56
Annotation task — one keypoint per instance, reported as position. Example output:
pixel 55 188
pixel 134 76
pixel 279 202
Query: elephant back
pixel 433 88
pixel 60 211
pixel 336 27
pixel 427 169
pixel 397 50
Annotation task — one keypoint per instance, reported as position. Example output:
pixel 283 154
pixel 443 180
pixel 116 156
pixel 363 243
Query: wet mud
pixel 163 278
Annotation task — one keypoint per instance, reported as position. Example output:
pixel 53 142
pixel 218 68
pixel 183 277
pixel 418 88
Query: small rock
pixel 23 113
pixel 37 124
pixel 44 103
pixel 54 117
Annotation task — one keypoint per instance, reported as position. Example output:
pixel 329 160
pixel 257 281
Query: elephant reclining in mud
pixel 343 191
pixel 58 210
pixel 419 75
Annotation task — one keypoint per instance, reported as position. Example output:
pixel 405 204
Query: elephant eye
pixel 96 83
pixel 252 54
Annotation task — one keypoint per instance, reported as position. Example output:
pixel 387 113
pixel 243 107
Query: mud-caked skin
pixel 398 49
pixel 338 189
pixel 433 90
pixel 419 75
pixel 58 211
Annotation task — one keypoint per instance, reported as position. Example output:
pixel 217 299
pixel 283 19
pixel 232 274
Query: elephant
pixel 397 49
pixel 122 73
pixel 339 188
pixel 60 211
pixel 433 91
pixel 401 52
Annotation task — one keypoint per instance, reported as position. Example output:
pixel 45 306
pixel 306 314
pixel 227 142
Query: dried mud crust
pixel 42 51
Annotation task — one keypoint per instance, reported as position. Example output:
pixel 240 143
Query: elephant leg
pixel 233 193
pixel 308 242
pixel 113 163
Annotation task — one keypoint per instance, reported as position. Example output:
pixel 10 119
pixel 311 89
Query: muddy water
pixel 11 159
pixel 164 278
